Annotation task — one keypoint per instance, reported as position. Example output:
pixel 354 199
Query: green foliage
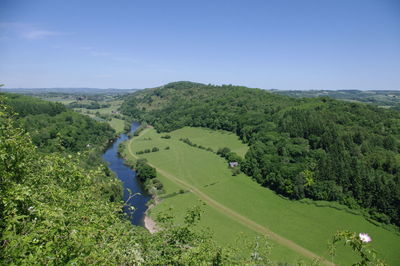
pixel 144 171
pixel 142 126
pixel 55 212
pixel 387 98
pixel 154 149
pixel 349 150
pixel 368 256
pixel 25 105
pixel 54 128
pixel 309 225
pixel 91 105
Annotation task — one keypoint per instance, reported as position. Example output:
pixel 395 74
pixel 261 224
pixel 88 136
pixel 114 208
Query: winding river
pixel 131 183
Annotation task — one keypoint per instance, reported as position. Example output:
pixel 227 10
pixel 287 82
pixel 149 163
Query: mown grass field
pixel 307 225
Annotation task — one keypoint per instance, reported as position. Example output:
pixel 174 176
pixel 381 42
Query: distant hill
pixel 385 98
pixel 31 91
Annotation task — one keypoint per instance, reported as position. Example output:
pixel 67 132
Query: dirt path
pixel 236 216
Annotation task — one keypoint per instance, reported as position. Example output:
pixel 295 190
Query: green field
pixel 206 176
pixel 117 124
pixel 212 139
pixel 114 105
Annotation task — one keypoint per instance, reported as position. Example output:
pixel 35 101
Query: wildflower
pixel 31 208
pixel 365 238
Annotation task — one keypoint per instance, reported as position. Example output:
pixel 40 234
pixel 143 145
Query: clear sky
pixel 281 44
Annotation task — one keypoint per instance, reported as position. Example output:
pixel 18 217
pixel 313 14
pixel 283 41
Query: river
pixel 129 180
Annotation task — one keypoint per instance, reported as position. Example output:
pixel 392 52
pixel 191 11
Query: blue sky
pixel 307 44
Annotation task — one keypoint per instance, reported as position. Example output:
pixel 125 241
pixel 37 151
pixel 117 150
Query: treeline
pixel 91 105
pixel 387 98
pixel 190 143
pixel 148 176
pixel 25 105
pixel 320 148
pixel 55 128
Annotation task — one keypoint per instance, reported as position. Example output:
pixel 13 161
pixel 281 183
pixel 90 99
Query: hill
pixel 384 98
pixel 53 127
pixel 67 91
pixel 319 148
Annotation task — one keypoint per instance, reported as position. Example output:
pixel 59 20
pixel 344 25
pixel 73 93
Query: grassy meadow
pixel 117 124
pixel 306 225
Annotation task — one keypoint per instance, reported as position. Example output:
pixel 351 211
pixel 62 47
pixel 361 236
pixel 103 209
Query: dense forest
pixel 318 148
pixel 53 127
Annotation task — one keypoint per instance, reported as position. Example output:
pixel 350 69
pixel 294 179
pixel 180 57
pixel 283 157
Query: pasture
pixel 204 175
pixel 117 124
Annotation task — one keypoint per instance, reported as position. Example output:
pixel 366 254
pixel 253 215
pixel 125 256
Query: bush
pixel 144 171
pixel 157 184
pixel 235 171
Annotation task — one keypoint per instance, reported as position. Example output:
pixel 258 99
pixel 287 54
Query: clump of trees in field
pixel 190 143
pixel 319 148
pixel 148 176
pixel 154 149
pixel 91 105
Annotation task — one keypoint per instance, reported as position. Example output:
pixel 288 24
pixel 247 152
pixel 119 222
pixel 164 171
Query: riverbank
pixel 128 177
pixel 149 223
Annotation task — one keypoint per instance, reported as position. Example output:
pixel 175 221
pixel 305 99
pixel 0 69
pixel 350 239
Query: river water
pixel 129 180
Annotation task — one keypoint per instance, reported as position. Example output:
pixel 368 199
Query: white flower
pixel 365 238
pixel 31 208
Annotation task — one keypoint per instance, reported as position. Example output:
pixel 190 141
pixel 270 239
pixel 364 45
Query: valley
pixel 236 204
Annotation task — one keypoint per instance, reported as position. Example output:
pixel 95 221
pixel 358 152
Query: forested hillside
pixel 53 127
pixel 384 98
pixel 319 148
